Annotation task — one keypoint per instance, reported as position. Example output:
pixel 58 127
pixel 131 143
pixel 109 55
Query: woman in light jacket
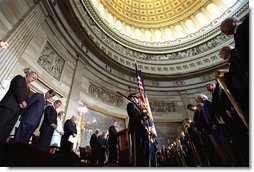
pixel 57 135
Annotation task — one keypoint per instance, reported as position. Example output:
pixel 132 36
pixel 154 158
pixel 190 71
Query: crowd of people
pixel 219 134
pixel 216 136
pixel 104 146
pixel 16 106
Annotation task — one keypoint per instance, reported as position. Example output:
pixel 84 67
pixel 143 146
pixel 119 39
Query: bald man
pixel 240 30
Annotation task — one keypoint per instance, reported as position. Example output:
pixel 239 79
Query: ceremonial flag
pixel 144 99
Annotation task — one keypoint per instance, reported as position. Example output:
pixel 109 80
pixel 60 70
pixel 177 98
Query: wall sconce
pixel 3 44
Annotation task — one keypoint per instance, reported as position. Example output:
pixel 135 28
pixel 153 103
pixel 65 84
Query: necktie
pixel 27 89
pixel 235 40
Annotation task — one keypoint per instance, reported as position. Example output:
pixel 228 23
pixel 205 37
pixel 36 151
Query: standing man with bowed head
pixel 240 30
pixel 112 143
pixel 14 100
pixel 31 117
pixel 70 129
pixel 48 125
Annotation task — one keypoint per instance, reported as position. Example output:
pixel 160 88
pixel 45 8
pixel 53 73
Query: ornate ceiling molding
pixel 196 56
pixel 152 14
pixel 201 55
pixel 83 8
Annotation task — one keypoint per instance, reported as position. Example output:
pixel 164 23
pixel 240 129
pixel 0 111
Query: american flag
pixel 144 99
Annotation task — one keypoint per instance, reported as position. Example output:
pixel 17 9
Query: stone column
pixel 18 40
pixel 74 95
pixel 220 4
pixel 195 21
pixel 73 100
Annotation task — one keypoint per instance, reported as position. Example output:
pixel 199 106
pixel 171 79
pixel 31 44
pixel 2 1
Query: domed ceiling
pixel 152 14
pixel 164 37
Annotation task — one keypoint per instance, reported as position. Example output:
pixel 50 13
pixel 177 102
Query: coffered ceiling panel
pixel 157 33
pixel 152 13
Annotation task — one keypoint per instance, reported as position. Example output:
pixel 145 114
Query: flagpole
pixel 144 99
pixel 151 129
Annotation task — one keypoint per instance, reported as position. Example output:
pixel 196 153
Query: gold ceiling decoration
pixel 161 21
pixel 169 51
pixel 152 13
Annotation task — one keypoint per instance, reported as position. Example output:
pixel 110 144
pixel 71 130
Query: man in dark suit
pixel 138 132
pixel 112 143
pixel 236 79
pixel 30 118
pixel 48 125
pixel 220 102
pixel 237 130
pixel 240 30
pixel 229 53
pixel 13 101
pixel 70 128
pixel 198 132
pixel 94 143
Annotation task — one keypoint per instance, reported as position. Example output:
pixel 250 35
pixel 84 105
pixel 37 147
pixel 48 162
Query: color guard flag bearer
pixel 145 102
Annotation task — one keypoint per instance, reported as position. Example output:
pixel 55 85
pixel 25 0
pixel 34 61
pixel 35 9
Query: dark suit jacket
pixel 220 101
pixel 134 117
pixel 69 129
pixel 139 134
pixel 234 65
pixel 94 143
pixel 9 105
pixel 16 94
pixel 46 131
pixel 112 139
pixel 242 42
pixel 199 121
pixel 50 116
pixel 33 113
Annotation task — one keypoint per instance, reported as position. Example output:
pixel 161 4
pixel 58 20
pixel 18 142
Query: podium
pixel 124 148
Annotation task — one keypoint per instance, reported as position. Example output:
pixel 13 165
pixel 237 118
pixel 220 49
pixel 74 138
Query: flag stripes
pixel 144 99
